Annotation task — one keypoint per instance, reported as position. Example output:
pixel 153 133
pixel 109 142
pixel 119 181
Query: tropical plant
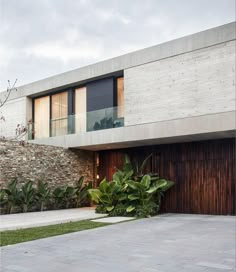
pixel 3 198
pixel 145 195
pixel 27 196
pixel 43 194
pixel 64 195
pixel 13 195
pixel 119 210
pixel 108 194
pixel 135 167
pixel 131 192
pixel 82 192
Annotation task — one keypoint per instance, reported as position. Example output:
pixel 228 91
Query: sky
pixel 39 39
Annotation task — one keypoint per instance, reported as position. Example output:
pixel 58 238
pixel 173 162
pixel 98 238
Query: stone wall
pixel 55 165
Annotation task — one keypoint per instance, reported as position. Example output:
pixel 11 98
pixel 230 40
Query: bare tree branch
pixel 10 88
pixel 21 129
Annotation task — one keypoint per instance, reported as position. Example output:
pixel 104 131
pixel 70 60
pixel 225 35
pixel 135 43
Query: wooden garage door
pixel 204 174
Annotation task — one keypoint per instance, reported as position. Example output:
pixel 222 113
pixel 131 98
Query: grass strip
pixel 11 237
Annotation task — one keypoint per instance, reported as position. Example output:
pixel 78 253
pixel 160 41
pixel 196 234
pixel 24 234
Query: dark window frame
pixel 71 96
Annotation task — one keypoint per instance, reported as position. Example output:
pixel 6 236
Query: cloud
pixel 42 38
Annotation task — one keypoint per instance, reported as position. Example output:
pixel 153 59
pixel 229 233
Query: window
pixel 98 105
pixel 80 110
pixel 120 97
pixel 59 108
pixel 41 117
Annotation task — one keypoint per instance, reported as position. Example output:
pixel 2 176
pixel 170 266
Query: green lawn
pixel 18 236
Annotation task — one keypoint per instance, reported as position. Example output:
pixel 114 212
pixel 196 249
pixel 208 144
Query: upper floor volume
pixel 92 106
pixel 181 90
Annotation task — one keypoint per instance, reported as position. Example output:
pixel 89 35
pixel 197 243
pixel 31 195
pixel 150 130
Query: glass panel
pixel 120 97
pixel 80 110
pixel 95 120
pixel 104 118
pixel 41 117
pixel 59 122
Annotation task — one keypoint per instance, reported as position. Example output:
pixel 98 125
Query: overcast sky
pixel 42 38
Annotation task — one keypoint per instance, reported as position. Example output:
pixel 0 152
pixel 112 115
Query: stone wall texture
pixel 56 165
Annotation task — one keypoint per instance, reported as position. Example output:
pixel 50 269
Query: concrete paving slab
pixel 168 243
pixel 113 220
pixel 37 219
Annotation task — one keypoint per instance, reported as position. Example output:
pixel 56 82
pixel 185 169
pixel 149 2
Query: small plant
pixel 64 195
pixel 3 198
pixel 82 192
pixel 108 195
pixel 27 196
pixel 13 196
pixel 145 196
pixel 43 194
pixel 135 166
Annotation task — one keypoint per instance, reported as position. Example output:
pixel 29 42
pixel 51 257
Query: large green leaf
pixel 118 176
pixel 103 186
pixel 168 185
pixel 152 189
pixel 146 181
pixel 128 174
pixel 134 184
pixel 144 163
pixel 133 197
pixel 130 208
pixel 80 182
pixel 110 208
pixel 95 195
pixel 127 166
pixel 122 197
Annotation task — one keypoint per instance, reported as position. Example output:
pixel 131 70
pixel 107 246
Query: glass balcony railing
pixel 78 123
pixel 105 118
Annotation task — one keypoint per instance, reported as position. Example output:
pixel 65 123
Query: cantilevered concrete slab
pixel 213 126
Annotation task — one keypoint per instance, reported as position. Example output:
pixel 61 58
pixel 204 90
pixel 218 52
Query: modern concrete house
pixel 175 100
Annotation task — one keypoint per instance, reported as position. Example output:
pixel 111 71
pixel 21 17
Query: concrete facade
pixel 181 90
pixel 197 83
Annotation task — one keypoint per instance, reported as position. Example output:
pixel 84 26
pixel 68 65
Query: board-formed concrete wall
pixel 193 84
pixel 56 165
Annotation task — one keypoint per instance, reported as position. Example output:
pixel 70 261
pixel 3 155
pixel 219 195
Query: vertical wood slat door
pixel 203 172
pixel 204 176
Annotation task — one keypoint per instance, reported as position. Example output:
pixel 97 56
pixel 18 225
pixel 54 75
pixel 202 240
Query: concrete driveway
pixel 173 243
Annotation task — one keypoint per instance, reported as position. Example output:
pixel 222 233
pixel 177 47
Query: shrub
pixel 130 193
pixel 109 194
pixel 43 194
pixel 82 196
pixel 64 195
pixel 13 196
pixel 27 196
pixel 3 198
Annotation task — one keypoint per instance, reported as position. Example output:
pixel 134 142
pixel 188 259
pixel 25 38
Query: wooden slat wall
pixel 204 174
